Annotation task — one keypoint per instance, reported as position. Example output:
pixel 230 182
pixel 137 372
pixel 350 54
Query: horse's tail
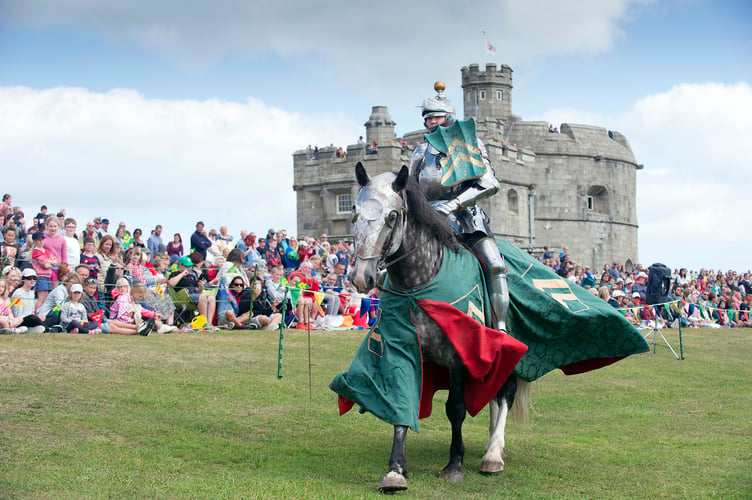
pixel 522 403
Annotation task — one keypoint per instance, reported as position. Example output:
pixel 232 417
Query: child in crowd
pixel 23 303
pixel 125 310
pixel 8 322
pixel 89 257
pixel 73 316
pixel 55 243
pixel 41 261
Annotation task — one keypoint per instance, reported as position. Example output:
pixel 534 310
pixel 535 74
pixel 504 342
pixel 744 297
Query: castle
pixel 573 188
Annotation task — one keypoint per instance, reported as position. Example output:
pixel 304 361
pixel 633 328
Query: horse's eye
pixel 393 216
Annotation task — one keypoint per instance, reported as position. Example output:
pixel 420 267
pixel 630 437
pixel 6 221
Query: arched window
pixel 513 203
pixel 597 199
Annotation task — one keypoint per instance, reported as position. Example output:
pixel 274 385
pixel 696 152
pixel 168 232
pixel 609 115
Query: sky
pixel 174 111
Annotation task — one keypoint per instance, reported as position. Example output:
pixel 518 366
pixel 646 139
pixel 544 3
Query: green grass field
pixel 204 416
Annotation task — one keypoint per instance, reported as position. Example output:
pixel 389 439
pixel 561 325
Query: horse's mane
pixel 421 212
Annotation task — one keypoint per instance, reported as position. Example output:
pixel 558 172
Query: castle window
pixel 597 199
pixel 344 203
pixel 513 203
pixel 498 95
pixel 483 95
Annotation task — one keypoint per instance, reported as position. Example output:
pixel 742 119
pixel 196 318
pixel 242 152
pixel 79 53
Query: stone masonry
pixel 576 188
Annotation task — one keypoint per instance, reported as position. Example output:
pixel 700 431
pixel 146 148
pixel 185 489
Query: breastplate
pixel 429 176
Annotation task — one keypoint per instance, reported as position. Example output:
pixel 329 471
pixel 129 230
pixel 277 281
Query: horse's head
pixel 379 215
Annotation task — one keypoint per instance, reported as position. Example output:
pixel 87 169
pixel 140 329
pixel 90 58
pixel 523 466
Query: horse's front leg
pixel 395 479
pixel 455 411
pixel 493 460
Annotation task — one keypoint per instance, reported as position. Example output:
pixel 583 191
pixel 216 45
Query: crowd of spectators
pixel 130 284
pixel 56 277
pixel 704 298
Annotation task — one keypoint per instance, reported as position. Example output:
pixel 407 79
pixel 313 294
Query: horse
pixel 396 228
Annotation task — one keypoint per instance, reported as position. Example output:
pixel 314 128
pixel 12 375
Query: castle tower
pixel 379 127
pixel 487 94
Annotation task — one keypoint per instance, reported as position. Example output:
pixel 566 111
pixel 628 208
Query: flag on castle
pixel 490 48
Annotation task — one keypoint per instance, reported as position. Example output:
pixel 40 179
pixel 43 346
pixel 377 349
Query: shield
pixel 459 143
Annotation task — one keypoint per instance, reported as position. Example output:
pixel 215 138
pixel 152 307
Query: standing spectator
pixel 154 243
pixel 120 237
pixel 72 245
pixel 89 258
pixel 342 254
pixel 104 255
pixel 104 230
pixel 137 241
pixel 6 207
pixel 91 232
pixel 40 218
pixel 199 241
pixel 55 243
pixel 41 261
pixel 175 247
pixel 273 258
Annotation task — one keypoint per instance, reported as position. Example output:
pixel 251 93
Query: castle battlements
pixel 576 187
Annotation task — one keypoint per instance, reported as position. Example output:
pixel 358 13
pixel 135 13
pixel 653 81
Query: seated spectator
pixel 8 322
pixel 616 299
pixel 23 304
pixel 306 309
pixel 12 276
pixel 640 286
pixel 236 311
pixel 185 282
pixel 49 311
pixel 73 317
pixel 140 295
pixel 126 310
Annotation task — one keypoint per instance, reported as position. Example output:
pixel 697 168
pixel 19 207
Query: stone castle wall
pixel 575 188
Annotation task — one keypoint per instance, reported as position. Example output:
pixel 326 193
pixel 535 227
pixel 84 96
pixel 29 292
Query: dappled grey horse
pixel 396 229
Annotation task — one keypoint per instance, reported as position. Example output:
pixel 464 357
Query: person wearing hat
pixel 617 297
pixel 640 286
pixel 73 316
pixel 104 228
pixel 23 302
pixel 459 200
pixel 187 289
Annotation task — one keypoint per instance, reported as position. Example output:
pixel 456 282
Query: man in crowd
pixel 199 241
pixel 154 243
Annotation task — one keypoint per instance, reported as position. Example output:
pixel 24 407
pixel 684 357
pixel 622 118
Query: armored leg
pixel 495 270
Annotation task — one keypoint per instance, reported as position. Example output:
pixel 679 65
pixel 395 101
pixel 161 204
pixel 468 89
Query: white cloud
pixel 120 155
pixel 358 36
pixel 693 140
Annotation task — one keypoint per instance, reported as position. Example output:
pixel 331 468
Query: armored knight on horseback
pixel 458 198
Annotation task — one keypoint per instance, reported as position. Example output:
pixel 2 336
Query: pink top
pixel 41 256
pixel 58 248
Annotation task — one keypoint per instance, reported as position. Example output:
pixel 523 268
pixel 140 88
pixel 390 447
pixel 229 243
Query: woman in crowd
pixel 8 322
pixel 175 247
pixel 105 254
pixel 137 241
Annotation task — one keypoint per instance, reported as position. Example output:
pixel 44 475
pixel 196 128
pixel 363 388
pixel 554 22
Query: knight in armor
pixel 459 200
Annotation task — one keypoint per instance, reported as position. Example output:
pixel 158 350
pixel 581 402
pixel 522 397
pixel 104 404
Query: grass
pixel 204 415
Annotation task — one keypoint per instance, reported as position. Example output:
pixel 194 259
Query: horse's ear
pixel 401 181
pixel 361 174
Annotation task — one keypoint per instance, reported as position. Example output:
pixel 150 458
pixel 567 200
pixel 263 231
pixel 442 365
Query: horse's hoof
pixel 491 466
pixel 393 481
pixel 452 475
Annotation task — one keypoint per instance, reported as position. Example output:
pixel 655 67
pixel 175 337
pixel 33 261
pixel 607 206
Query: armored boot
pixel 496 279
